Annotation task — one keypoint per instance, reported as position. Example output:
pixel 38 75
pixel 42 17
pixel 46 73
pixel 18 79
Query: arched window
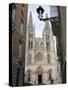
pixel 48 58
pixel 29 59
pixel 47 36
pixel 37 44
pixel 48 45
pixel 42 44
pixel 49 72
pixel 30 36
pixel 28 79
pixel 28 75
pixel 20 48
pixel 22 26
pixel 50 76
pixel 38 57
pixel 30 45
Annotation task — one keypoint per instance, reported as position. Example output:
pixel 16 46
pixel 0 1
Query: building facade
pixel 60 33
pixel 41 60
pixel 18 15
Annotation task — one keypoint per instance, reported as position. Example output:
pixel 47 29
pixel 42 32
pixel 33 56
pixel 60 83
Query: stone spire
pixel 30 21
pixel 47 27
pixel 47 24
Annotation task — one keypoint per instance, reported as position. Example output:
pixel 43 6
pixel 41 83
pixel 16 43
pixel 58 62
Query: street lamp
pixel 40 12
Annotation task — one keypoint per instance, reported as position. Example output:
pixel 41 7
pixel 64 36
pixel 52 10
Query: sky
pixel 39 25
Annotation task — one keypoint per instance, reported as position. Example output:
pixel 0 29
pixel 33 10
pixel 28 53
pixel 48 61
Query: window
pixel 22 5
pixel 22 20
pixel 42 44
pixel 50 76
pixel 13 14
pixel 48 58
pixel 54 11
pixel 49 72
pixel 30 36
pixel 20 48
pixel 38 57
pixel 13 11
pixel 29 75
pixel 22 25
pixel 29 59
pixel 22 12
pixel 30 45
pixel 37 44
pixel 21 28
pixel 47 25
pixel 48 45
pixel 47 36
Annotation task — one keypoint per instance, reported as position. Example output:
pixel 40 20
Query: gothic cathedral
pixel 41 60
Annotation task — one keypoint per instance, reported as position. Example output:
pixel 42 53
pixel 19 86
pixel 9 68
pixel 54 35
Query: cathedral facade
pixel 41 60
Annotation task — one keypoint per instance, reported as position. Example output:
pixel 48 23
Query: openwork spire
pixel 30 21
pixel 47 24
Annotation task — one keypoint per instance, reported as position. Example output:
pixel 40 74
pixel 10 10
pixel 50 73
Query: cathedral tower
pixel 30 35
pixel 49 40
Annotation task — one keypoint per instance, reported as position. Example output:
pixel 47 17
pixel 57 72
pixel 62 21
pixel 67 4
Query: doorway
pixel 39 78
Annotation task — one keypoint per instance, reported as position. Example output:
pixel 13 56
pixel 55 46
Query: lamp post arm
pixel 46 19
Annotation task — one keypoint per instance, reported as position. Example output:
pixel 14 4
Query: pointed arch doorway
pixel 39 78
pixel 39 72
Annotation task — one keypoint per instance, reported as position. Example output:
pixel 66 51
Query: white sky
pixel 39 25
